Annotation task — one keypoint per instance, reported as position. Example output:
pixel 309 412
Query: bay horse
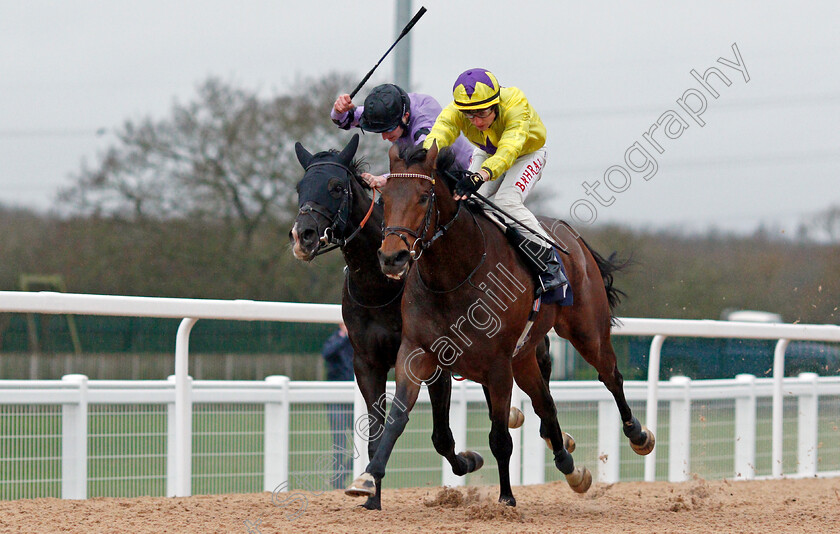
pixel 336 209
pixel 466 301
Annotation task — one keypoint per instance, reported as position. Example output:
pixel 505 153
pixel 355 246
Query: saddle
pixel 562 295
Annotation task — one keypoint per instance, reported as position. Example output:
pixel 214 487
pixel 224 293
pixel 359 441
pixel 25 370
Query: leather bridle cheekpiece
pixel 419 234
pixel 339 220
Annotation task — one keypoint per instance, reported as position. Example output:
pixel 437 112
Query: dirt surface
pixel 697 506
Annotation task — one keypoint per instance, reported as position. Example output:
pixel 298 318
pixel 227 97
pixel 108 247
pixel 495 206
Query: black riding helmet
pixel 385 107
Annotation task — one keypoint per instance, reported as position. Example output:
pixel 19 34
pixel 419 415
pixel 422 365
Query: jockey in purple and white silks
pixel 402 118
pixel 507 161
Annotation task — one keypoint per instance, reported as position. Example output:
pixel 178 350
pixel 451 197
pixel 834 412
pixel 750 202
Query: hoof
pixel 508 501
pixel 579 480
pixel 516 417
pixel 645 448
pixel 474 459
pixel 568 443
pixel 363 486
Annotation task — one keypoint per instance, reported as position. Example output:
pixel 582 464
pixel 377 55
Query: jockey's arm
pixel 374 180
pixel 446 130
pixel 512 141
pixel 344 114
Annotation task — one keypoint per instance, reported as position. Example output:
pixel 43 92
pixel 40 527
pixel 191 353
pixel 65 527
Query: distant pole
pixel 402 58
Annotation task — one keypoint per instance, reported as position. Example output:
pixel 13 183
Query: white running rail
pixel 191 310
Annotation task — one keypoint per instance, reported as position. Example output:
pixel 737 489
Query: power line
pixel 757 103
pixel 736 105
pixel 758 160
pixel 53 132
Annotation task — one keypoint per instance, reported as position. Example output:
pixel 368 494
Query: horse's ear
pixel 431 155
pixel 394 154
pixel 303 155
pixel 349 151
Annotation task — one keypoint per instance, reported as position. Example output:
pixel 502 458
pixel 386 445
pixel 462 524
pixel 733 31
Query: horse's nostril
pixel 397 259
pixel 308 236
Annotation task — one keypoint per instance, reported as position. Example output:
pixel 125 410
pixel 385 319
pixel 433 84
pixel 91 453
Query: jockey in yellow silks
pixel 507 161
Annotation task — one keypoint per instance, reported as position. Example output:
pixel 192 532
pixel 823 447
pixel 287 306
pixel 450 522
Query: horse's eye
pixel 424 199
pixel 335 188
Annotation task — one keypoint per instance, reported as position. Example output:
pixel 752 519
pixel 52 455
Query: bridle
pixel 331 239
pixel 440 231
pixel 420 243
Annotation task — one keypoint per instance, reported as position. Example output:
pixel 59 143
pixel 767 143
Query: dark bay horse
pixel 333 205
pixel 466 302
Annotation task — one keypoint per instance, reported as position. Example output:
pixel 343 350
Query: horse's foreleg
pixel 371 382
pixel 411 370
pixel 501 444
pixel 440 391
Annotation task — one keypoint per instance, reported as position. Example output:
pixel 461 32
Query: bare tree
pixel 227 156
pixel 828 223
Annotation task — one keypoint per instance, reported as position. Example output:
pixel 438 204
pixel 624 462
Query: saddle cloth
pixel 563 294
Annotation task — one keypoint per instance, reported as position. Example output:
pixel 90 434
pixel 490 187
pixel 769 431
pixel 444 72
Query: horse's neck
pixel 360 252
pixel 455 255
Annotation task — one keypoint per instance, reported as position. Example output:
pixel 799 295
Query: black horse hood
pixel 321 185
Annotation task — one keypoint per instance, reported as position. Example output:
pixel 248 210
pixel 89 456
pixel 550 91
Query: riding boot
pixel 541 260
pixel 552 276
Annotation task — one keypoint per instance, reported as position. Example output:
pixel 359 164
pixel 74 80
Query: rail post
pixel 276 463
pixel 74 430
pixel 183 411
pixel 679 438
pixel 808 425
pixel 745 426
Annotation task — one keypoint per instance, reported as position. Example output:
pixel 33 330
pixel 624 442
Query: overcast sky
pixel 600 77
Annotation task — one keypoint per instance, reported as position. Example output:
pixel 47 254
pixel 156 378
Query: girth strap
pixel 523 338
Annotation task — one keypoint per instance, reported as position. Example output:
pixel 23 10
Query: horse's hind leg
pixel 528 377
pixel 544 362
pixel 440 391
pixel 599 353
pixel 544 359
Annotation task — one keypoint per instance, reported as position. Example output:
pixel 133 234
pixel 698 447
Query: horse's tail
pixel 608 267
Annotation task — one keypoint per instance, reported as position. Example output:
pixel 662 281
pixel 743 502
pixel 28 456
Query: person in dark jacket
pixel 338 359
pixel 402 118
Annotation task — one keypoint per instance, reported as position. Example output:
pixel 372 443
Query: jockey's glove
pixel 468 184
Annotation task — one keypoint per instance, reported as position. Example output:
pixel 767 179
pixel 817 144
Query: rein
pixel 331 232
pixel 357 302
pixel 455 176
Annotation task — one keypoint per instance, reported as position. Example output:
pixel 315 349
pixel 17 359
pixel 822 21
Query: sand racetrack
pixel 806 506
